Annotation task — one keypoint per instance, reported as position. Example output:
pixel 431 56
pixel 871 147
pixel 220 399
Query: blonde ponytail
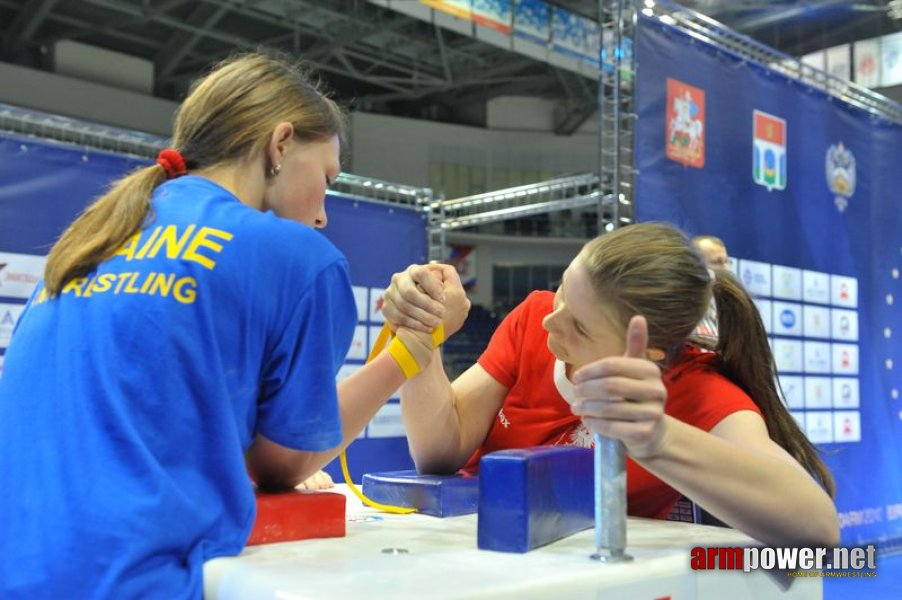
pixel 102 228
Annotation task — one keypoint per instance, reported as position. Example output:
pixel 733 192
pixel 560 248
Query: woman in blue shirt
pixel 188 331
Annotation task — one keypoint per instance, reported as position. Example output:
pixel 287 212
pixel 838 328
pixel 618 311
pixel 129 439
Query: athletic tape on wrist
pixel 402 355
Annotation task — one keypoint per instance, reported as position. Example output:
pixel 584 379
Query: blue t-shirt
pixel 127 402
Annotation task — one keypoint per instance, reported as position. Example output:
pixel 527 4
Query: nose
pixel 321 220
pixel 549 323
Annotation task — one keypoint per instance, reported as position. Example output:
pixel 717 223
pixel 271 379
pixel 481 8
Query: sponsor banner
pixel 845 359
pixel 818 392
pixel 891 59
pixel 817 357
pixel 766 311
pixel 819 427
pixel 494 14
pixel 787 283
pixel 769 151
pixel 844 291
pixel 845 392
pixel 816 321
pixel 593 44
pixel 815 287
pixel 532 21
pixel 360 300
pixel 755 276
pixel 816 60
pixel 9 314
pixel 867 62
pixel 358 348
pixel 839 64
pixel 457 8
pixel 844 324
pixel 788 355
pixel 20 273
pixel 846 426
pixel 685 135
pixel 787 318
pixel 793 388
pixel 375 310
pixel 570 35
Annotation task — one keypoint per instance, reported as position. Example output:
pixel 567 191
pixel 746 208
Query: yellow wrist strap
pixel 405 359
pixel 438 336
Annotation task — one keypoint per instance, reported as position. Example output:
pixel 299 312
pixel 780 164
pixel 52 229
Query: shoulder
pixel 253 233
pixel 527 316
pixel 286 240
pixel 696 367
pixel 536 304
pixel 699 393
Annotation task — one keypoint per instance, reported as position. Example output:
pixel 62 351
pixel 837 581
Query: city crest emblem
pixel 840 171
pixel 769 151
pixel 685 142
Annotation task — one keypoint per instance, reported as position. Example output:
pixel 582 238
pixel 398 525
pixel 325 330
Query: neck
pixel 243 179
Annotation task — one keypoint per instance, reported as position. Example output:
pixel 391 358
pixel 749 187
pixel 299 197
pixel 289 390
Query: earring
pixel 275 170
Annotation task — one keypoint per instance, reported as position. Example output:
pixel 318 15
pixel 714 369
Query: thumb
pixel 637 337
pixel 448 274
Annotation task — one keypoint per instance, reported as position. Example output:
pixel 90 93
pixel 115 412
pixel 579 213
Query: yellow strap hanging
pixel 410 368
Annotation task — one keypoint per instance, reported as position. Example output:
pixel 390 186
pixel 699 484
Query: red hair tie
pixel 172 162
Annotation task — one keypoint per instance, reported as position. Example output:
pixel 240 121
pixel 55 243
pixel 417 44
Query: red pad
pixel 297 515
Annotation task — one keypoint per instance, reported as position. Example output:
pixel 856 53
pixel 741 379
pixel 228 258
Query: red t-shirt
pixel 535 414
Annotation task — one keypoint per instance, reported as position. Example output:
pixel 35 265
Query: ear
pixel 279 141
pixel 655 354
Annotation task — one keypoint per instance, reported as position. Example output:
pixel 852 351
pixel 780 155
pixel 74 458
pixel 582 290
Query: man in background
pixel 714 252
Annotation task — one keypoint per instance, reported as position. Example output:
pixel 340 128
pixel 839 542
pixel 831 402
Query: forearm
pixel 360 397
pixel 431 420
pixel 766 497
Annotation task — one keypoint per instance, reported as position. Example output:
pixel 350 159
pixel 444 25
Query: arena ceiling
pixel 379 60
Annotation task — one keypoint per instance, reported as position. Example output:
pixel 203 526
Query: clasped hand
pixel 421 298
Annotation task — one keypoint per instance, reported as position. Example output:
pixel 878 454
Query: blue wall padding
pixel 534 496
pixel 436 495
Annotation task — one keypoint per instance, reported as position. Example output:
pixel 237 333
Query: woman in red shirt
pixel 610 353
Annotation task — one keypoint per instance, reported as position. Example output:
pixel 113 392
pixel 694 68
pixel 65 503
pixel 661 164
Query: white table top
pixel 418 556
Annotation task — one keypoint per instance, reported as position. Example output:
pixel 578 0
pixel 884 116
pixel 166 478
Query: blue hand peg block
pixel 436 495
pixel 534 496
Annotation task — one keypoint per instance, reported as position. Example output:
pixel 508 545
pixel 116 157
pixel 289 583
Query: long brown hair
pixel 227 117
pixel 652 269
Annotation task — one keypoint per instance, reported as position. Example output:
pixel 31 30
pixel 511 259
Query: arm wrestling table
pixel 399 557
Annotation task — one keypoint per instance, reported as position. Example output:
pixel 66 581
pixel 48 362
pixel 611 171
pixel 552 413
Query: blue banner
pixel 805 191
pixel 44 185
